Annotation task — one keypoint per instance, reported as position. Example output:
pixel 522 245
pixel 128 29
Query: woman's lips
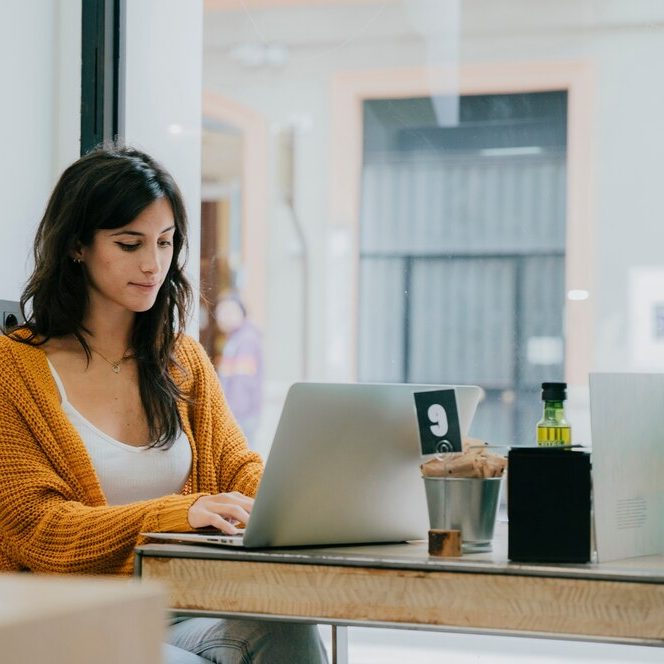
pixel 144 287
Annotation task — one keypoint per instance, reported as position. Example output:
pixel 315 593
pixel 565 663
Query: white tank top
pixel 128 473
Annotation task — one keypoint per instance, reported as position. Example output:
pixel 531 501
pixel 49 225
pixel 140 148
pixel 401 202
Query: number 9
pixel 438 416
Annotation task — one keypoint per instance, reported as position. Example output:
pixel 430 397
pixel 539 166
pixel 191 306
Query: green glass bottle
pixel 553 429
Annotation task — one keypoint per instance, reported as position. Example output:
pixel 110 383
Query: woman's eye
pixel 127 247
pixel 165 243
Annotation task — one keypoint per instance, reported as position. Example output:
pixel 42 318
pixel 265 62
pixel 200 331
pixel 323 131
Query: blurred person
pixel 240 367
pixel 113 421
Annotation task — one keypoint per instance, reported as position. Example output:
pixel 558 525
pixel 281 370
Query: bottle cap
pixel 554 391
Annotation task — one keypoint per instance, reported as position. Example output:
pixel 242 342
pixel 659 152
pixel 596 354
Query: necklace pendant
pixel 116 367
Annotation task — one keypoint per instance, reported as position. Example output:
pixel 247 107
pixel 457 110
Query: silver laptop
pixel 344 468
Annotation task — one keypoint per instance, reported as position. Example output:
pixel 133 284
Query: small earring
pixel 78 260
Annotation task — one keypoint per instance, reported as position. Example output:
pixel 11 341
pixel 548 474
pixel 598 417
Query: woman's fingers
pixel 221 511
pixel 233 511
pixel 217 521
pixel 236 498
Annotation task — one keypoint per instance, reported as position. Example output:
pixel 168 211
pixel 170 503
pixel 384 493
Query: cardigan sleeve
pixel 224 457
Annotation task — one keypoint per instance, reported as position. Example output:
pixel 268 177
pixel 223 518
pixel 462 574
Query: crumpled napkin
pixel 474 461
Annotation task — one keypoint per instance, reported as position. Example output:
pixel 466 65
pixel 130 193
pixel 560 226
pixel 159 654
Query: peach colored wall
pixel 254 206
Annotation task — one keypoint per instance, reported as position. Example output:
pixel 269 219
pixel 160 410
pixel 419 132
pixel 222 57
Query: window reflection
pixel 468 204
pixel 462 249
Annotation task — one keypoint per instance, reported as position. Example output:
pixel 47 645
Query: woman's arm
pixel 45 525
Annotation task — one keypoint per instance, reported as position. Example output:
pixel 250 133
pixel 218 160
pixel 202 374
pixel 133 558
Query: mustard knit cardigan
pixel 53 514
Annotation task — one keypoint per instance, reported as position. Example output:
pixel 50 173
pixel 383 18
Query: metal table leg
pixel 339 644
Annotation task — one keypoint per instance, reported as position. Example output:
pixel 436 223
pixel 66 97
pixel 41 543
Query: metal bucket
pixel 467 504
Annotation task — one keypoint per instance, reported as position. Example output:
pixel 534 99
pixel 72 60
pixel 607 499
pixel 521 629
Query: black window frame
pixel 100 72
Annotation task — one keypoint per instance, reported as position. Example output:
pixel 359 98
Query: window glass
pixel 462 249
pixel 449 191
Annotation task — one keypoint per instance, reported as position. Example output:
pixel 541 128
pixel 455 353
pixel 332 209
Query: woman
pixel 113 422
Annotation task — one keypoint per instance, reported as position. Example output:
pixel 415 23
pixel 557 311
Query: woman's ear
pixel 76 253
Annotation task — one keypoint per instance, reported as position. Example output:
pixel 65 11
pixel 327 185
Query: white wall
pixel 161 108
pixel 39 115
pixel 67 88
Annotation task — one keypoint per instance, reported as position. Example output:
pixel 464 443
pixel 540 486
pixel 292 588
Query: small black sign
pixel 438 420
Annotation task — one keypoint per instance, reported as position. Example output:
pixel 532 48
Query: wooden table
pixel 399 585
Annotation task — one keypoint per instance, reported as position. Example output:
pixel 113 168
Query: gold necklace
pixel 115 366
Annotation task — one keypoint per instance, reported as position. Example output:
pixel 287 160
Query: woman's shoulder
pixel 6 347
pixel 190 353
pixel 188 346
pixel 17 343
pixel 20 361
pixel 192 365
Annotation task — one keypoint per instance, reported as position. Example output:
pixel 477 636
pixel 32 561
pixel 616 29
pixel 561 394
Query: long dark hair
pixel 108 188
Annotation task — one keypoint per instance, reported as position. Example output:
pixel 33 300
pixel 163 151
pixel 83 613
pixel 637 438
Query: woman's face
pixel 126 266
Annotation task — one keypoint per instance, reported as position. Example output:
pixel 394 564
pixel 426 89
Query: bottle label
pixel 553 436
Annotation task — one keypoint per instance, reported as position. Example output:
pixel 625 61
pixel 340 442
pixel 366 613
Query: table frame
pixel 401 586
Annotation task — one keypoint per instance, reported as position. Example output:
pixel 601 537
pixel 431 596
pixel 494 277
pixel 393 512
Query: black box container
pixel 548 505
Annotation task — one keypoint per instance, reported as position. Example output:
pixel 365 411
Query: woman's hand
pixel 221 511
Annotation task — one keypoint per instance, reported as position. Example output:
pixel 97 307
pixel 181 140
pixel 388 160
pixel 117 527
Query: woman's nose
pixel 150 260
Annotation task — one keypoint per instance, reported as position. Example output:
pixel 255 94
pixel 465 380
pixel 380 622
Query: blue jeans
pixel 225 641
